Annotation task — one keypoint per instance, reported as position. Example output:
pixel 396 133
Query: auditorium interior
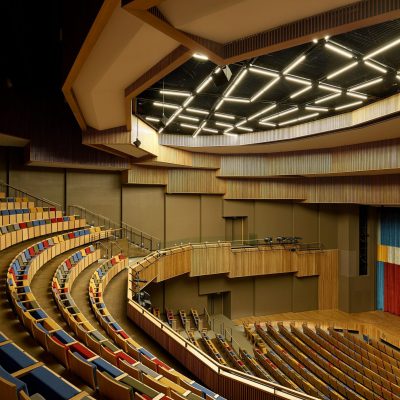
pixel 200 200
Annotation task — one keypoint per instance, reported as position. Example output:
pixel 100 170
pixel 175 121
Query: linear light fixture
pixel 175 93
pixel 265 110
pixel 280 114
pixel 327 98
pixel 161 129
pixel 356 103
pixel 229 129
pixel 319 109
pixel 264 89
pixel 188 101
pixel 218 106
pixel 299 92
pixel 357 95
pixel 189 126
pixel 241 75
pixel 210 130
pixel 199 129
pixel 339 50
pixel 398 77
pixel 267 123
pixel 165 105
pixel 189 118
pixel 197 111
pixel 243 128
pixel 296 79
pixel 329 88
pixel 382 49
pixel 298 119
pixel 341 70
pixel 152 119
pixel 173 116
pixel 241 123
pixel 263 71
pixel 224 124
pixel 376 66
pixel 204 84
pixel 294 64
pixel 236 100
pixel 226 116
pixel 231 134
pixel 366 84
pixel 218 70
pixel 200 56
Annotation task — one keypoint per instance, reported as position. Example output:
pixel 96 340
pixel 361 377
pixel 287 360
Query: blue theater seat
pixel 104 366
pixel 18 383
pixel 13 359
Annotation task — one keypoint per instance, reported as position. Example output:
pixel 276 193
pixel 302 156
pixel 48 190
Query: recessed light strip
pixel 230 134
pixel 189 126
pixel 264 89
pixel 226 116
pixel 189 118
pixel 376 67
pixel 188 101
pixel 299 92
pixel 173 116
pixel 357 95
pixel 366 84
pixel 319 109
pixel 199 129
pixel 165 105
pixel 303 81
pixel 204 84
pixel 224 124
pixel 294 64
pixel 263 71
pixel 356 103
pixel 341 70
pixel 152 119
pixel 241 75
pixel 382 49
pixel 243 128
pixel 329 88
pixel 200 56
pixel 236 100
pixel 265 110
pixel 327 98
pixel 280 114
pixel 175 93
pixel 197 111
pixel 339 50
pixel 291 121
pixel 267 123
pixel 210 130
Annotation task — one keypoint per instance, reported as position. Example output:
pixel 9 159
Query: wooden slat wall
pixel 328 281
pixel 145 176
pixel 174 262
pixel 211 259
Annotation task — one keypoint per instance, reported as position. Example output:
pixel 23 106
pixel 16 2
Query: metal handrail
pixel 12 191
pixel 134 235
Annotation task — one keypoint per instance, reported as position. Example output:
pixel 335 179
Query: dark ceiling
pixel 320 62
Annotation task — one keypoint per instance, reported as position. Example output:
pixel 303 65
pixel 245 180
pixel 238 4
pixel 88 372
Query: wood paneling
pixel 328 282
pixel 194 181
pixel 145 176
pixel 210 259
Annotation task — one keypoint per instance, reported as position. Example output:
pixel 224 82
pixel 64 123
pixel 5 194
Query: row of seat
pixel 19 275
pixel 254 366
pixel 23 377
pixel 233 357
pixel 174 383
pixel 28 214
pixel 211 349
pixel 12 203
pixel 347 364
pixel 21 231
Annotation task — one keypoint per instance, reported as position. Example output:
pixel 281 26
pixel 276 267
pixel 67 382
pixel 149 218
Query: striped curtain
pixel 388 264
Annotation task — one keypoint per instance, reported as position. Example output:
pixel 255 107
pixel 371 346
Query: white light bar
pixel 199 129
pixel 218 70
pixel 188 101
pixel 236 100
pixel 366 84
pixel 375 66
pixel 230 134
pixel 327 98
pixel 267 123
pixel 294 64
pixel 210 130
pixel 204 84
pixel 229 129
pixel 175 93
pixel 241 75
pixel 153 119
pixel 341 70
pixel 264 89
pixel 320 109
pixel 339 50
pixel 357 95
pixel 173 116
pixel 189 126
pixel 200 56
pixel 329 88
pixel 243 128
pixel 165 105
pixel 398 77
pixel 226 116
pixel 263 71
pixel 189 118
pixel 261 112
pixel 161 129
pixel 298 119
pixel 197 111
pixel 299 92
pixel 356 103
pixel 217 107
pixel 241 123
pixel 382 49
pixel 224 124
pixel 280 114
pixel 303 81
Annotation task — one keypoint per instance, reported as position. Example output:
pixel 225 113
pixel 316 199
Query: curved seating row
pixel 234 358
pixel 19 275
pixel 254 366
pixel 22 376
pixel 21 231
pixel 84 362
pixel 98 282
pixel 11 203
pixel 28 214
pixel 212 350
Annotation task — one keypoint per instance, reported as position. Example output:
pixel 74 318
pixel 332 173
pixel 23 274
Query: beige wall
pixel 99 192
pixel 211 222
pixel 273 219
